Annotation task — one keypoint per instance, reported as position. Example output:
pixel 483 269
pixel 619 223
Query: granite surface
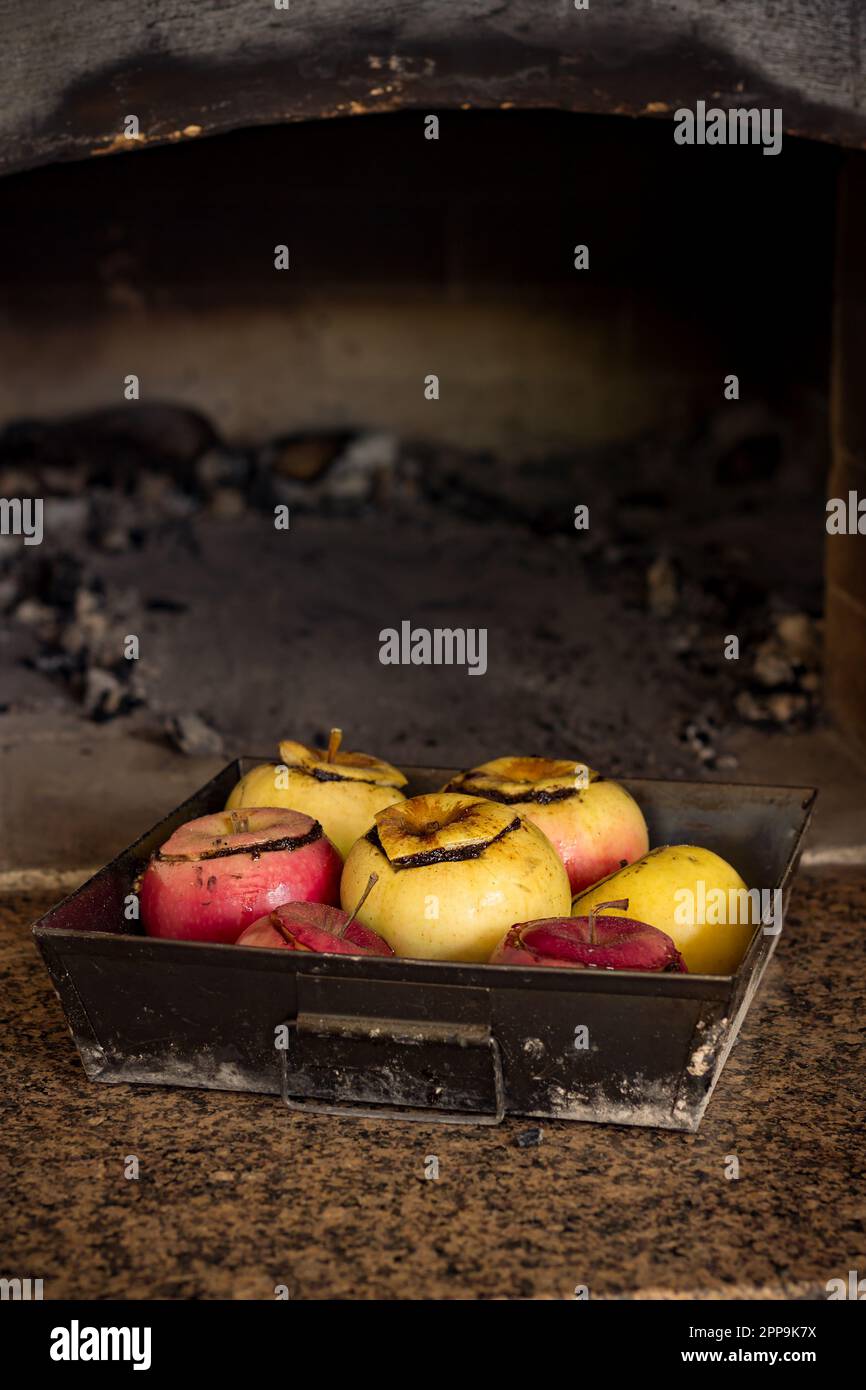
pixel 235 1197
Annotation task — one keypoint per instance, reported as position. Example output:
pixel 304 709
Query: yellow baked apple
pixel 690 893
pixel 343 791
pixel 595 825
pixel 454 873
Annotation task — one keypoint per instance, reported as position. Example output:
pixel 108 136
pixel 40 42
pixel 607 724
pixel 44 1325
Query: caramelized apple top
pixel 247 831
pixel 440 825
pixel 341 766
pixel 510 780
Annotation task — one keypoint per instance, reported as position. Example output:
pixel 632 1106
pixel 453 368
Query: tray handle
pixel 399 1032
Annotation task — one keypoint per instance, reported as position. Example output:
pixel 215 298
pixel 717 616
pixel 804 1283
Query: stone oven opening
pixel 547 376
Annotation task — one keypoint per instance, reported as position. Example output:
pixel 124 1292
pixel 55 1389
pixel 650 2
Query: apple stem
pixel 600 907
pixel 276 923
pixel 334 741
pixel 371 882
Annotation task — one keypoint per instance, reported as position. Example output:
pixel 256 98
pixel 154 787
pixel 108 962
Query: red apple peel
pixel 590 943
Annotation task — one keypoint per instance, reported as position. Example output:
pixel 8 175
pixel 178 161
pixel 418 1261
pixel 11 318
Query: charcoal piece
pixel 191 735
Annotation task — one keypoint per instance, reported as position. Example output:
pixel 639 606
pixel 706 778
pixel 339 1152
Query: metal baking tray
pixel 429 1040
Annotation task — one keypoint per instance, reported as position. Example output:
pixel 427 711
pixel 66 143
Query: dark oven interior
pixel 465 419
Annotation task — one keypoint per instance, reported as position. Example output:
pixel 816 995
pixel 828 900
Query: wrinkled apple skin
pixel 476 899
pixel 345 809
pixel 651 886
pixel 191 898
pixel 595 829
pixel 314 927
pixel 570 943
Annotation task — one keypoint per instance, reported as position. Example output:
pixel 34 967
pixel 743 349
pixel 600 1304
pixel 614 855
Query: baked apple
pixel 341 790
pixel 217 874
pixel 317 927
pixel 589 943
pixel 694 896
pixel 595 825
pixel 454 872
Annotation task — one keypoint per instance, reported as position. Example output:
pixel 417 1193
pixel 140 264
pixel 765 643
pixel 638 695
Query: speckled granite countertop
pixel 235 1196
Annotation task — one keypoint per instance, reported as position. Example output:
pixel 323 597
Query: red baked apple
pixel 589 943
pixel 217 874
pixel 316 927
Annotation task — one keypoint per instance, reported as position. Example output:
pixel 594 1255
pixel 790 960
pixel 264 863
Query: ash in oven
pixel 157 529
